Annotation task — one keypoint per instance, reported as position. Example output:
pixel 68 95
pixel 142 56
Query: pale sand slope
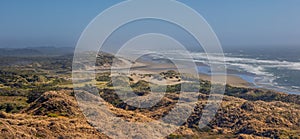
pixel 155 68
pixel 142 68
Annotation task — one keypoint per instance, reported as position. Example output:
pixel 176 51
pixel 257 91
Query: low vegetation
pixel 37 93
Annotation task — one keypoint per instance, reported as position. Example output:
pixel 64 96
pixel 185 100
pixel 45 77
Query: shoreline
pixel 156 68
pixel 232 78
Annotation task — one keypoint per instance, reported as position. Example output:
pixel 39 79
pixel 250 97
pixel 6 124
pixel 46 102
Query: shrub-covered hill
pixel 55 112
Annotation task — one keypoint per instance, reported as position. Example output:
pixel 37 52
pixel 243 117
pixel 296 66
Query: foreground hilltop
pixel 56 114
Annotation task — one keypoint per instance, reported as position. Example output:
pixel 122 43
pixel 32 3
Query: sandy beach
pixel 143 68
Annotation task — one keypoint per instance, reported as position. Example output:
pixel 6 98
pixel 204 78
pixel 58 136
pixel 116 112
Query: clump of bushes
pixel 103 77
pixel 52 115
pixel 12 107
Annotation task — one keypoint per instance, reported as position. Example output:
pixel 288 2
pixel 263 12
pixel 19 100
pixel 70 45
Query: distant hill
pixel 36 51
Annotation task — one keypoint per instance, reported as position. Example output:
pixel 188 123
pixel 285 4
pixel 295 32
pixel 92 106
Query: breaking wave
pixel 272 74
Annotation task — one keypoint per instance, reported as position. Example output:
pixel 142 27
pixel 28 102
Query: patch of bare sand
pixel 153 68
pixel 167 81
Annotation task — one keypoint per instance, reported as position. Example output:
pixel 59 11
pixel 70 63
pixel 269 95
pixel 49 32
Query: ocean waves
pixel 272 74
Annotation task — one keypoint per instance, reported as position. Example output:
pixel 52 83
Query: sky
pixel 237 23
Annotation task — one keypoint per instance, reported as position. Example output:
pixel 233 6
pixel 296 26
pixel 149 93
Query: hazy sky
pixel 238 23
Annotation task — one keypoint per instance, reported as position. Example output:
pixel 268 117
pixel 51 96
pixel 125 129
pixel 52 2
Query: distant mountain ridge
pixel 36 51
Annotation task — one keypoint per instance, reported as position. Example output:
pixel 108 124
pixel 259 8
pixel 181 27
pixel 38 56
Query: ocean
pixel 275 69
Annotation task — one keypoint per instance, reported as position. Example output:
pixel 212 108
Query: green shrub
pixel 104 77
pixel 52 115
